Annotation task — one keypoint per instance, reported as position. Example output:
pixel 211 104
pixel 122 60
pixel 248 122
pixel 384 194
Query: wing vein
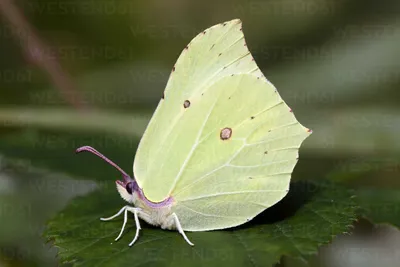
pixel 196 143
pixel 211 172
pixel 230 193
pixel 207 214
pixel 274 139
pixel 260 165
pixel 219 71
pixel 201 57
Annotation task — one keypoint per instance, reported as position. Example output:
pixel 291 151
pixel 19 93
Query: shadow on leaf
pixel 300 193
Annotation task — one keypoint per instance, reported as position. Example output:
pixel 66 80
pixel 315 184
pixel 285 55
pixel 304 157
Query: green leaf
pixel 29 196
pixel 309 216
pixel 380 205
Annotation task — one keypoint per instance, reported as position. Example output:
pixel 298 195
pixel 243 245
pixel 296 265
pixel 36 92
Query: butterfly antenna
pixel 97 153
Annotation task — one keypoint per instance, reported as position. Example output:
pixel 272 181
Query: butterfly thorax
pixel 157 214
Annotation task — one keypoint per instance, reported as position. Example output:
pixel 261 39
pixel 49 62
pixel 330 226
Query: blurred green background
pixel 335 62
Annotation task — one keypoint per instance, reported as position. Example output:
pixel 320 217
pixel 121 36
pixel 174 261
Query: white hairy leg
pixel 115 215
pixel 173 220
pixel 135 213
pixel 125 210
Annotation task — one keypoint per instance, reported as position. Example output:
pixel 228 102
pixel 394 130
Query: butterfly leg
pixel 115 215
pixel 175 221
pixel 135 212
pixel 125 210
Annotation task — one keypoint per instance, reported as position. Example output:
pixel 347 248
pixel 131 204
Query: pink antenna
pixel 127 178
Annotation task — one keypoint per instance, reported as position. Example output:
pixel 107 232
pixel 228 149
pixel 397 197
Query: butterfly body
pixel 157 214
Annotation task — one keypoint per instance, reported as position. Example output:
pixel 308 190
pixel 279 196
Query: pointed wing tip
pixel 237 21
pixel 233 21
pixel 309 130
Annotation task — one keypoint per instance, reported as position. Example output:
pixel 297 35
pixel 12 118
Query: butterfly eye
pixel 129 187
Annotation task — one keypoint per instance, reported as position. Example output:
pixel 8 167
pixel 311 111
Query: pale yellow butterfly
pixel 221 145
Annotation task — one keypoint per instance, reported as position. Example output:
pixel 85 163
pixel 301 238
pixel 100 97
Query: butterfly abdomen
pixel 158 214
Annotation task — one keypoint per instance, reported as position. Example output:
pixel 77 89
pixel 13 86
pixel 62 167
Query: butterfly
pixel 220 147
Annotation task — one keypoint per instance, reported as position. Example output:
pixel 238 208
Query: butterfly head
pixel 127 187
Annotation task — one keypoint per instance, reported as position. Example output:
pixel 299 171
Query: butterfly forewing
pixel 215 53
pixel 222 142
